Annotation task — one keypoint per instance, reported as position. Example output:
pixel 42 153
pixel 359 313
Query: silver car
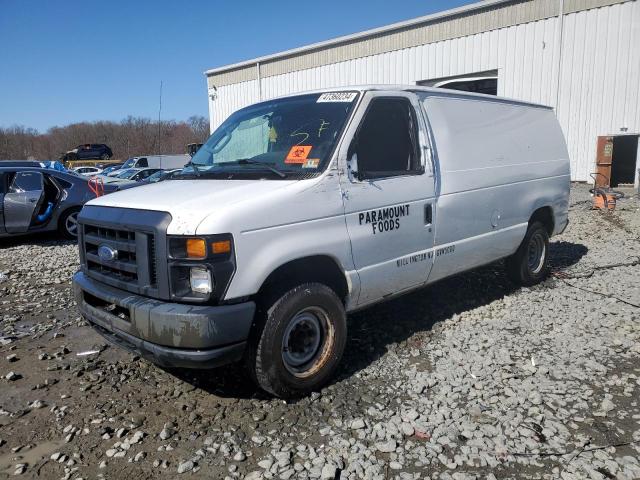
pixel 37 199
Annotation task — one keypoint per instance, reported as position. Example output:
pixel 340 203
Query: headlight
pixel 200 280
pixel 200 267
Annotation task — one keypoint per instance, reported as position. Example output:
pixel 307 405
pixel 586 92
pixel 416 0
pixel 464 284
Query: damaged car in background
pixel 38 199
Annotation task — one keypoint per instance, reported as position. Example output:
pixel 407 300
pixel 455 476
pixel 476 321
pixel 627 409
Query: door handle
pixel 33 200
pixel 428 214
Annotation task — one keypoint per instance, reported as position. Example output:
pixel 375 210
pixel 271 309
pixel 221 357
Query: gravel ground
pixel 470 378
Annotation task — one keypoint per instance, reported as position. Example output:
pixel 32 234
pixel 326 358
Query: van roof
pixel 444 92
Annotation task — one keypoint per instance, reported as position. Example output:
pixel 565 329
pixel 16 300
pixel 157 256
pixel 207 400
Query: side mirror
pixel 352 165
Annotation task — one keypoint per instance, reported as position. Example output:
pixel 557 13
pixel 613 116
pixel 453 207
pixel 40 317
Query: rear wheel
pixel 529 265
pixel 105 156
pixel 68 225
pixel 301 342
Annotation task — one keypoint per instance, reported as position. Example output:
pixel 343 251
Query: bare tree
pixel 132 136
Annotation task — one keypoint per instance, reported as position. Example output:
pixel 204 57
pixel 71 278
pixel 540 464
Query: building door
pixel 616 160
pixel 624 162
pixel 389 195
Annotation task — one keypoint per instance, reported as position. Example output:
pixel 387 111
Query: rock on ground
pixel 468 378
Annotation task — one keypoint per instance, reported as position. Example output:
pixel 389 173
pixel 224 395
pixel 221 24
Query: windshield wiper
pixel 246 161
pixel 196 170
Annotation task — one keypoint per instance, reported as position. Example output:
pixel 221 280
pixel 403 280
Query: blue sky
pixel 69 61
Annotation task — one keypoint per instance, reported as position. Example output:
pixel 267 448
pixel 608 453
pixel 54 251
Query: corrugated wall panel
pixel 397 38
pixel 599 72
pixel 599 79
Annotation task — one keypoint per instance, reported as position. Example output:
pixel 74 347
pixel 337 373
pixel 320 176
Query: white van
pixel 300 209
pixel 165 162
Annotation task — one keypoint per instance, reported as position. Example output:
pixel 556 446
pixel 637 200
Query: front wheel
pixel 105 156
pixel 530 264
pixel 302 341
pixel 68 225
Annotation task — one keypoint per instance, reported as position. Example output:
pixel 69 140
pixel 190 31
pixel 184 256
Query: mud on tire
pixel 301 341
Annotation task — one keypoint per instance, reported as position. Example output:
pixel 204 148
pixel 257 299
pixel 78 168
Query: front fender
pixel 260 252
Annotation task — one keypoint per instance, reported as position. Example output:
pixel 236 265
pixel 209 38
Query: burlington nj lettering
pixel 384 219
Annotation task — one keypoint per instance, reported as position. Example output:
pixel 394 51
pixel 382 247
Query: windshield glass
pixel 156 176
pixel 129 163
pixel 282 138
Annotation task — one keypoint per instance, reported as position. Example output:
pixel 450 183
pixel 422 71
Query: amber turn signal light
pixel 223 246
pixel 196 248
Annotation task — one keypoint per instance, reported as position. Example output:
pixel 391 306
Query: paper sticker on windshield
pixel 337 97
pixel 298 154
pixel 311 163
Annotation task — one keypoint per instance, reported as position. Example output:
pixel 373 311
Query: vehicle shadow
pixel 406 321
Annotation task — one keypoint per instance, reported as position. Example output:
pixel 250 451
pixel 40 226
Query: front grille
pixel 134 268
pixel 153 267
pixel 139 236
pixel 122 269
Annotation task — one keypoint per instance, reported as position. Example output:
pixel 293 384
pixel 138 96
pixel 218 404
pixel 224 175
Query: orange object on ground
pixel 603 201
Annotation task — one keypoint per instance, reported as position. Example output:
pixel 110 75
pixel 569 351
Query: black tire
pixel 530 264
pixel 64 224
pixel 105 156
pixel 312 319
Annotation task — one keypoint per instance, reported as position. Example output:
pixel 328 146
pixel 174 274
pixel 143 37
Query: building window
pixel 478 82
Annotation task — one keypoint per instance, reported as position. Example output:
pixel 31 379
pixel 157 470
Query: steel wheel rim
pixel 71 224
pixel 536 253
pixel 306 342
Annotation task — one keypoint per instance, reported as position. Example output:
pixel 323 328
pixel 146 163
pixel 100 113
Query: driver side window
pixel 387 142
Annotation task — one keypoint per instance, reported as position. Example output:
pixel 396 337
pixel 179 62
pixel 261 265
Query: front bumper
pixel 169 334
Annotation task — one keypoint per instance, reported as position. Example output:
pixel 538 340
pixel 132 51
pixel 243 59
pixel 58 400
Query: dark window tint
pixel 26 182
pixel 488 86
pixel 143 163
pixel 386 143
pixel 63 183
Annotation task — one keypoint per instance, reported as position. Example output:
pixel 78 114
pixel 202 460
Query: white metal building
pixel 580 56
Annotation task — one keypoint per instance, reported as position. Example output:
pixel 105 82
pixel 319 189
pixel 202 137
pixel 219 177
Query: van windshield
pixel 283 138
pixel 129 163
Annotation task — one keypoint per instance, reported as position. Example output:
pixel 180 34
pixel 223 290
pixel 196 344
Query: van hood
pixel 190 201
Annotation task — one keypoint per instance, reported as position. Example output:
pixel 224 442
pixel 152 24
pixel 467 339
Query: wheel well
pixel 543 215
pixel 319 268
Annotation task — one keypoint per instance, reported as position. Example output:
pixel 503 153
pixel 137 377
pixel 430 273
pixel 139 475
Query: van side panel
pixel 498 163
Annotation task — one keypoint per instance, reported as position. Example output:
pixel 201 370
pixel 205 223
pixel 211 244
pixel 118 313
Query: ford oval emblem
pixel 106 253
